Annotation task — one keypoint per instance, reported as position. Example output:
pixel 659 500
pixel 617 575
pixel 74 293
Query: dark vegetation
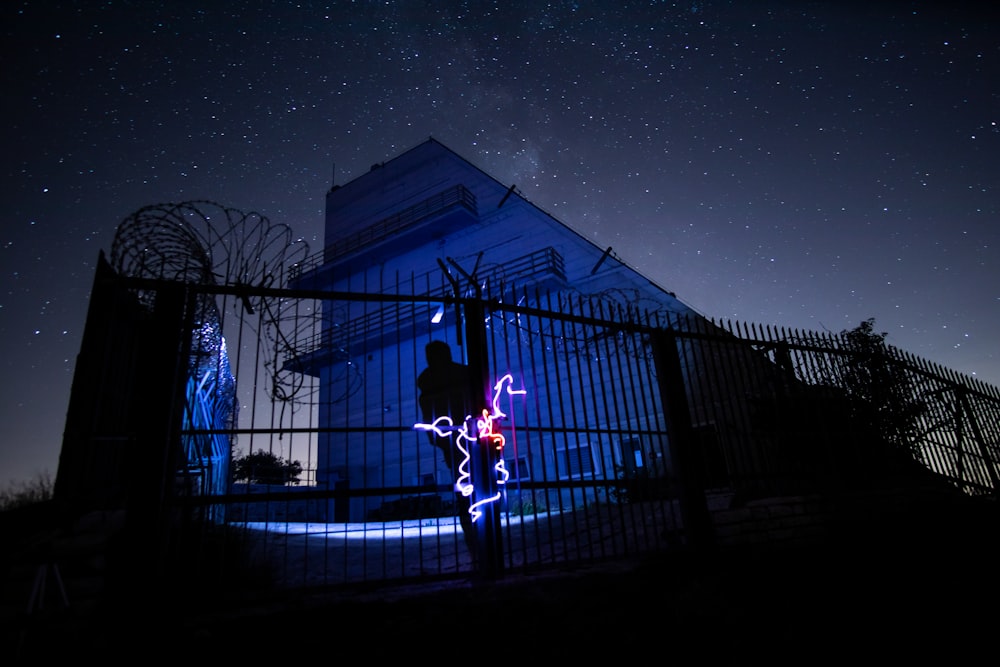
pixel 879 391
pixel 26 492
pixel 263 467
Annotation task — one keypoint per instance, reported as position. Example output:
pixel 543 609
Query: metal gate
pixel 599 432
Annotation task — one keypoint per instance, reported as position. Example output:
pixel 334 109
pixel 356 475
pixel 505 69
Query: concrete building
pixel 424 231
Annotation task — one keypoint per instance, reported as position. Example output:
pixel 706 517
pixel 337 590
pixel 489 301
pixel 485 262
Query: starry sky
pixel 806 165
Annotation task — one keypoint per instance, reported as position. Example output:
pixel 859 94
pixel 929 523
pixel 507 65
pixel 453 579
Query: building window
pixel 575 461
pixel 519 470
pixel 633 458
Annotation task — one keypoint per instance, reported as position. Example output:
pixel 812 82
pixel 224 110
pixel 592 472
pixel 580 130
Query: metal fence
pixel 606 430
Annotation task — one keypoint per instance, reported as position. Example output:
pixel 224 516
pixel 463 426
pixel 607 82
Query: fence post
pixel 684 459
pixel 159 414
pixel 482 457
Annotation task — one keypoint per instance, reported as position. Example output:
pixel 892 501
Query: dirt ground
pixel 877 601
pixel 924 590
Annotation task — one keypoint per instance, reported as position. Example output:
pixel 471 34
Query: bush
pixel 262 467
pixel 28 492
pixel 639 486
pixel 527 504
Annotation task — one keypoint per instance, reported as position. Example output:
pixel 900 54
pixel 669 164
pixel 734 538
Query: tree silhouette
pixel 262 467
pixel 878 385
pixel 32 491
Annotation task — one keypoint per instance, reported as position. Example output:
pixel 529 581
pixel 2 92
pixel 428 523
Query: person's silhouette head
pixel 438 353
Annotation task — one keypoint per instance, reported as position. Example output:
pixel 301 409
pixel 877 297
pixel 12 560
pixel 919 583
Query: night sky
pixel 801 164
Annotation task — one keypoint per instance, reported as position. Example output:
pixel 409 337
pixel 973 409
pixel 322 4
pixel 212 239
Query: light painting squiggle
pixel 486 429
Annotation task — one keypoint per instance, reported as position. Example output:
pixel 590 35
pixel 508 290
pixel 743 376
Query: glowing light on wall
pixel 487 430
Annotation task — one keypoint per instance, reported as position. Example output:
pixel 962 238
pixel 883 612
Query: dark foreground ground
pixel 927 595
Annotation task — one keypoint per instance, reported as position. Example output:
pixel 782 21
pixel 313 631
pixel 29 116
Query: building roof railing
pixel 436 205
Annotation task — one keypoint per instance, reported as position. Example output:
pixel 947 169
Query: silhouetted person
pixel 444 392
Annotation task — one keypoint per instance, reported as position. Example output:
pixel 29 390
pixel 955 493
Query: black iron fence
pixel 600 431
